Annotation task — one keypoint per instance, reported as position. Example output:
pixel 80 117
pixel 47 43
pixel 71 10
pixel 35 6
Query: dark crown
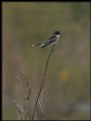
pixel 56 33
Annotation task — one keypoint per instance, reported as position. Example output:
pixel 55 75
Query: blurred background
pixel 67 84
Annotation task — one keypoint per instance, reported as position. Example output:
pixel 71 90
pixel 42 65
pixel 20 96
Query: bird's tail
pixel 35 45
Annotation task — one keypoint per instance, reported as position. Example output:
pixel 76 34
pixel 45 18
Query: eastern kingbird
pixel 51 41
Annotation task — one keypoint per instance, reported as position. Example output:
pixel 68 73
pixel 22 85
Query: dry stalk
pixel 43 79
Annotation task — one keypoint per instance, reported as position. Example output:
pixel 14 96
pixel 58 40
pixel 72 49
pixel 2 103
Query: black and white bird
pixel 51 41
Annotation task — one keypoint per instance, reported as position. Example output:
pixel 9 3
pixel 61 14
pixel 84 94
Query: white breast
pixel 58 36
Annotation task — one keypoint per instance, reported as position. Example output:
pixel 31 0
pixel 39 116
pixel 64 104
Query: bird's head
pixel 57 33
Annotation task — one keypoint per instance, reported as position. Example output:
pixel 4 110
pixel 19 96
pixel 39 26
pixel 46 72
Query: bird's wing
pixel 49 41
pixel 51 37
pixel 46 42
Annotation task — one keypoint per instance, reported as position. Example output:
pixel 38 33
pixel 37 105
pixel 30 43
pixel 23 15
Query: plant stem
pixel 43 79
